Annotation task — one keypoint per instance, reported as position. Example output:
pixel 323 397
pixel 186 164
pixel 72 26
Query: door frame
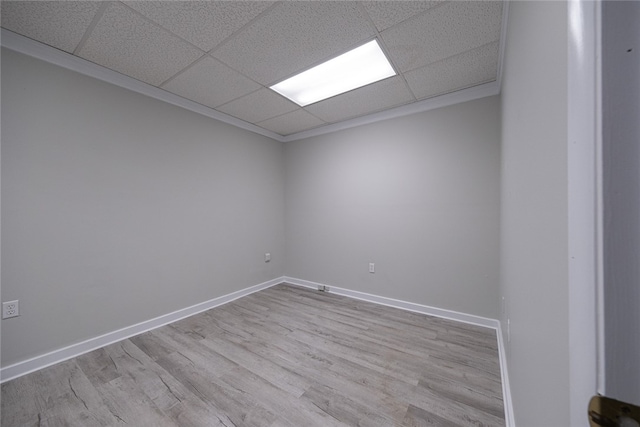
pixel 585 207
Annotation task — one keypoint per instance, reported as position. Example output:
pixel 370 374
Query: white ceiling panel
pixel 58 24
pixel 294 36
pixel 443 31
pixel 458 72
pixel 387 13
pixel 296 121
pixel 203 23
pixel 126 42
pixel 258 106
pixel 378 96
pixel 210 83
pixel 224 55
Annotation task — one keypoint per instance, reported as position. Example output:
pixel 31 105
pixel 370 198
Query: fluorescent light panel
pixel 358 67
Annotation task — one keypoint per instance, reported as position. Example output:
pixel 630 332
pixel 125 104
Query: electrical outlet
pixel 10 309
pixel 267 257
pixel 372 267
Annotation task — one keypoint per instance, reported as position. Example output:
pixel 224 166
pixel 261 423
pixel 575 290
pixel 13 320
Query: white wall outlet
pixel 267 257
pixel 10 309
pixel 372 267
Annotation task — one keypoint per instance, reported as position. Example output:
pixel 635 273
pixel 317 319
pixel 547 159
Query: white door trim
pixel 584 203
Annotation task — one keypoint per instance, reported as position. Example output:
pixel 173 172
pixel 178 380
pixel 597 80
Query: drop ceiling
pixel 220 57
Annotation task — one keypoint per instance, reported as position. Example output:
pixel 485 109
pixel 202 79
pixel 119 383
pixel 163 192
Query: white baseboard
pixel 30 365
pixel 437 312
pixel 506 388
pixel 39 362
pixel 404 305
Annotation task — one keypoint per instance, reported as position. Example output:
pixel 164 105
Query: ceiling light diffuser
pixel 358 67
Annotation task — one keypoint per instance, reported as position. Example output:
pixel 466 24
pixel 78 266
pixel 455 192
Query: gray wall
pixel 534 229
pixel 418 196
pixel 621 155
pixel 117 208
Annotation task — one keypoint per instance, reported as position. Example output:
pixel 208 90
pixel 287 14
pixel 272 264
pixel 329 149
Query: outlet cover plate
pixel 10 309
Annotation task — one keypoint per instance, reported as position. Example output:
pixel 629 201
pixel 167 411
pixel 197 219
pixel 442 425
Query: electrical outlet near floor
pixel 10 309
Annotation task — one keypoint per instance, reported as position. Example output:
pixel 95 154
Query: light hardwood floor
pixel 285 356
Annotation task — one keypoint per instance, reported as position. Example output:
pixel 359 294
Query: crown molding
pixel 27 46
pixel 30 47
pixel 464 95
pixel 503 41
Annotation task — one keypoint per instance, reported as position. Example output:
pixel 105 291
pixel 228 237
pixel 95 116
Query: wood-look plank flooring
pixel 285 356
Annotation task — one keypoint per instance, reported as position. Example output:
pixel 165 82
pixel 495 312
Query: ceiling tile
pixel 225 54
pixel 444 31
pixel 296 121
pixel 124 41
pixel 387 13
pixel 203 23
pixel 60 24
pixel 258 106
pixel 210 83
pixel 378 96
pixel 294 36
pixel 458 72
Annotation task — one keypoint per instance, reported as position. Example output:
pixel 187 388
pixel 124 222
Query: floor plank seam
pixel 285 355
